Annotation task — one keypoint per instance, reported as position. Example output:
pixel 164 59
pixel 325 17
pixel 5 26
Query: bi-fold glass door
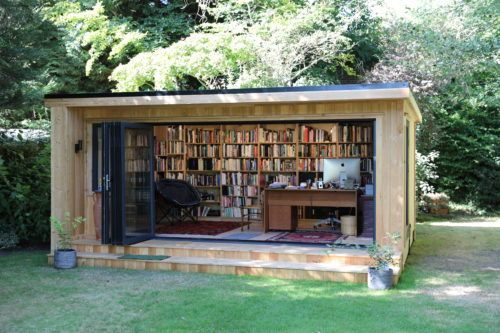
pixel 127 183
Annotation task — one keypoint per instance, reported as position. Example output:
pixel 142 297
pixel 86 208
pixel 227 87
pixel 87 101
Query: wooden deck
pixel 279 261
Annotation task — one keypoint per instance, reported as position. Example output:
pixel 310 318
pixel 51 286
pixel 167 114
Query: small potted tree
pixel 65 255
pixel 380 275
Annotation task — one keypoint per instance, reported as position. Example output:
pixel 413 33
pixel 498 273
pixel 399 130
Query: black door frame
pixel 113 184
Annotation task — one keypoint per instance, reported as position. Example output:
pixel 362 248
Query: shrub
pixel 435 203
pixel 426 174
pixel 25 188
pixel 383 255
pixel 8 239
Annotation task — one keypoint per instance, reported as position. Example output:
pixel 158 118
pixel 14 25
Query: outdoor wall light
pixel 78 146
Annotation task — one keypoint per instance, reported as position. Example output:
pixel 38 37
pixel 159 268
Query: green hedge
pixel 25 189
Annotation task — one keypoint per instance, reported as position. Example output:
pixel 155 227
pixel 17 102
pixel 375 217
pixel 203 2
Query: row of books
pixel 168 164
pixel 366 179
pixel 203 164
pixel 137 180
pixel 169 147
pixel 232 212
pixel 277 164
pixel 353 133
pixel 323 150
pixel 246 191
pixel 204 180
pixel 174 133
pixel 311 134
pixel 137 166
pixel 277 150
pixel 289 179
pixel 200 135
pixel 203 150
pixel 134 139
pixel 132 153
pixel 135 197
pixel 354 150
pixel 311 164
pixel 245 164
pixel 366 165
pixel 240 151
pixel 237 201
pixel 236 211
pixel 203 211
pixel 286 135
pixel 238 178
pixel 240 136
pixel 307 133
pixel 170 175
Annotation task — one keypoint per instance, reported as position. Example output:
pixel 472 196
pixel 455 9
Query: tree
pixel 258 43
pixel 26 43
pixel 100 35
pixel 449 54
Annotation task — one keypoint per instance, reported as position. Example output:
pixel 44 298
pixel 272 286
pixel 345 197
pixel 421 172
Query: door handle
pixel 107 183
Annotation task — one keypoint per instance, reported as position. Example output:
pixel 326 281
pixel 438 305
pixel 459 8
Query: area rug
pixel 311 237
pixel 211 228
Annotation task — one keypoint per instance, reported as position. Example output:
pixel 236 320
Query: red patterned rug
pixel 211 228
pixel 312 237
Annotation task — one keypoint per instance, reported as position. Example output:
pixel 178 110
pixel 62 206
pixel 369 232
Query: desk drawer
pixel 282 218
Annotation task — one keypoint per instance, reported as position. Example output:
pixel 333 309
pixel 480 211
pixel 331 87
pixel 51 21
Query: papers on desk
pixel 277 185
pixel 292 187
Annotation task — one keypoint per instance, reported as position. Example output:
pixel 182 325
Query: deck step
pixel 277 269
pixel 241 251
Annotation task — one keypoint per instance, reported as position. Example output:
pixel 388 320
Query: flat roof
pixel 344 87
pixel 307 94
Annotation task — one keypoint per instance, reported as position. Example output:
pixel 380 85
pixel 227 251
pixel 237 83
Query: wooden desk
pixel 280 205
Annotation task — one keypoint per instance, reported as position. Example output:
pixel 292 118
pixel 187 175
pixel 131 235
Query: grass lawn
pixel 451 284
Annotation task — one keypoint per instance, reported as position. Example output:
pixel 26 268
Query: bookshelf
pixel 240 168
pixel 137 170
pixel 203 165
pixel 231 164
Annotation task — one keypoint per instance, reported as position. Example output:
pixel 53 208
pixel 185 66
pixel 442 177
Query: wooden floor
pixel 280 260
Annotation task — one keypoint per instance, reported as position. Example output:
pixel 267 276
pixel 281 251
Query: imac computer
pixel 339 170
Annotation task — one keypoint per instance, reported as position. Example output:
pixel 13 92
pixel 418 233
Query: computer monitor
pixel 333 167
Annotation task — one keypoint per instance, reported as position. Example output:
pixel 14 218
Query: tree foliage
pixel 25 189
pixel 256 44
pixel 450 55
pixel 99 36
pixel 27 41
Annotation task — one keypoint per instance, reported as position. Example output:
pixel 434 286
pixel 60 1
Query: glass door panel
pixel 137 180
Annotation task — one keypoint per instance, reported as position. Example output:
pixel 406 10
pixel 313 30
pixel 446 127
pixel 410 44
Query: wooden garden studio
pixel 250 126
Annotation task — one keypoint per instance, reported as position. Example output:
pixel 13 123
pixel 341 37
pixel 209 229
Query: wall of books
pixel 231 164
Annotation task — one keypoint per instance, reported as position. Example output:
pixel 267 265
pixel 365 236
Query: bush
pixel 8 239
pixel 25 189
pixel 436 203
pixel 426 174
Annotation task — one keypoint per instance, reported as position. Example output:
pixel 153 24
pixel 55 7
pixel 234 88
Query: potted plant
pixel 380 275
pixel 65 255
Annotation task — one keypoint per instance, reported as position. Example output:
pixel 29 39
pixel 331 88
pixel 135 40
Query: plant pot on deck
pixel 65 258
pixel 379 279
